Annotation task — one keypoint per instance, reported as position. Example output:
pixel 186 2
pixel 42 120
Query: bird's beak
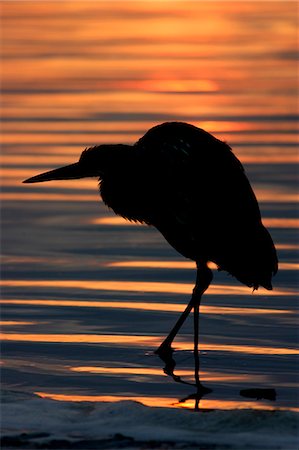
pixel 70 172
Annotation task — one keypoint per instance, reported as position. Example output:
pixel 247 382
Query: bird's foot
pixel 165 352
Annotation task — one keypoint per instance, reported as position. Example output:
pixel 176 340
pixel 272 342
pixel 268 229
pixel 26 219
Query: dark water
pixel 86 297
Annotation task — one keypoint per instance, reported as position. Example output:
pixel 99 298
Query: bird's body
pixel 191 187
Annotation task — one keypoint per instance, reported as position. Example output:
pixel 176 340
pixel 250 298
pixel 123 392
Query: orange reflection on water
pixel 156 371
pixel 82 126
pixel 159 264
pixel 269 222
pixel 147 306
pixel 16 174
pixel 116 220
pixel 155 264
pixel 177 85
pixel 142 341
pixel 288 266
pixel 126 370
pixel 15 322
pixel 85 140
pixel 286 157
pixel 11 180
pixel 248 349
pixel 48 197
pixel 9 259
pixel 113 220
pixel 15 182
pixel 33 160
pixel 148 264
pixel 118 339
pixel 167 47
pixel 273 222
pixel 287 247
pixel 148 401
pixel 131 129
pixel 15 259
pixel 165 402
pixel 273 195
pixel 146 286
pixel 140 127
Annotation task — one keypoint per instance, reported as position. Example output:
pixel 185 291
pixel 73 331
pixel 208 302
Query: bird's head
pixel 93 162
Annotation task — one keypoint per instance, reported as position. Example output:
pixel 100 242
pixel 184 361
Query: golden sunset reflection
pixel 247 349
pixel 269 222
pixel 273 195
pixel 288 266
pixel 288 157
pixel 281 223
pixel 15 322
pixel 13 177
pixel 78 281
pixel 82 126
pixel 146 286
pixel 48 197
pixel 164 402
pixel 176 85
pixel 113 220
pixel 117 339
pixel 156 371
pixel 267 196
pixel 143 264
pixel 41 159
pixel 287 246
pixel 95 138
pixel 15 259
pixel 149 264
pixel 147 306
pixel 143 341
pixel 112 339
pixel 229 128
pixel 50 138
pixel 87 185
pixel 159 264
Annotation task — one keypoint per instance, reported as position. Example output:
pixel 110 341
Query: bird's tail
pixel 254 261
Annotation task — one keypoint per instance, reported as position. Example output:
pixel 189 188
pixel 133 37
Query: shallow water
pixel 87 297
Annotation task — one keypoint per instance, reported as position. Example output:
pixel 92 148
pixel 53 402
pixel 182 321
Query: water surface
pixel 88 297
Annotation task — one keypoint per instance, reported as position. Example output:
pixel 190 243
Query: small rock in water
pixel 259 394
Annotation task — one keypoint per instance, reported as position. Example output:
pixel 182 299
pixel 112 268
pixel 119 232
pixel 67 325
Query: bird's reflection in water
pixel 197 396
pixel 201 391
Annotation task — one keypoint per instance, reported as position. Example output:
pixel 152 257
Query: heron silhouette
pixel 192 188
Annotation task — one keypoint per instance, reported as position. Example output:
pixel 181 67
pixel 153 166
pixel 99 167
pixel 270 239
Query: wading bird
pixel 191 187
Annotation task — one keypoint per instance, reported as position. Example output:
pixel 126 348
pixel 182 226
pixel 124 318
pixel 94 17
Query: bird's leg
pixel 203 279
pixel 165 350
pixel 196 354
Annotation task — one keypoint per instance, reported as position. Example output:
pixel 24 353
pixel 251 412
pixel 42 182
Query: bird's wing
pixel 203 204
pixel 193 173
